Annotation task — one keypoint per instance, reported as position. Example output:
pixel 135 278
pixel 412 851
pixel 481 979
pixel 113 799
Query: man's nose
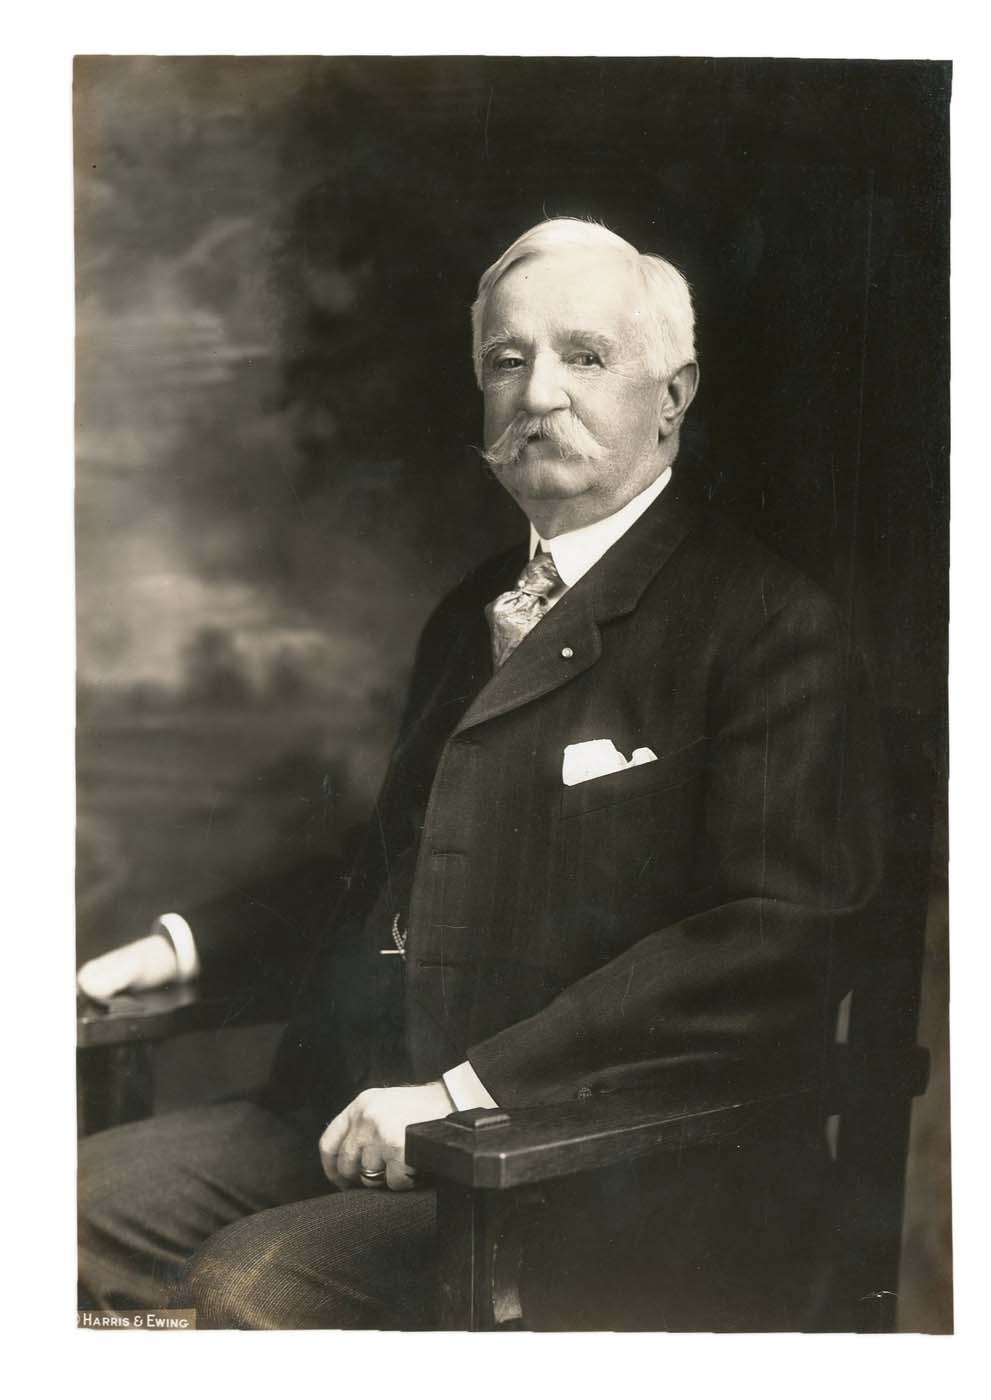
pixel 544 390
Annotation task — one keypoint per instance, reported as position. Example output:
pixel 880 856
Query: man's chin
pixel 543 477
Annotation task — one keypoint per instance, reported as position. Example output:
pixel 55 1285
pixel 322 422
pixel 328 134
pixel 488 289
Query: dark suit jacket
pixel 682 924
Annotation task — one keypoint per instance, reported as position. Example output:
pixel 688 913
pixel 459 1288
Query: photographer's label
pixel 140 1320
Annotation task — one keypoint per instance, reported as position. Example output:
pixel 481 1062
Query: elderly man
pixel 625 839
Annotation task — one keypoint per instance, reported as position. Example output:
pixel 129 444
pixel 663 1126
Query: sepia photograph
pixel 512 568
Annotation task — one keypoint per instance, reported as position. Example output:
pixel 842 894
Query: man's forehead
pixel 582 288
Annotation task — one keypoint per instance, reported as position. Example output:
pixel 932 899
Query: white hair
pixel 670 320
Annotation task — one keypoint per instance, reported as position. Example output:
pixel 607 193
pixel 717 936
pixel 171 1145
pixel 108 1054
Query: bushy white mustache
pixel 562 428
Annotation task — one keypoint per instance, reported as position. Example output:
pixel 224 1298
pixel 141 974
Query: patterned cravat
pixel 512 615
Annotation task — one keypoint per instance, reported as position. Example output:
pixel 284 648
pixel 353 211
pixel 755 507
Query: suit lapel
pixel 568 641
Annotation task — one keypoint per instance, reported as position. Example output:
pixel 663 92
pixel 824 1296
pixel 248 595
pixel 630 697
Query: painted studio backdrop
pixel 278 423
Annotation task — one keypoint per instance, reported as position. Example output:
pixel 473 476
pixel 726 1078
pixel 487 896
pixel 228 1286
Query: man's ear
pixel 676 396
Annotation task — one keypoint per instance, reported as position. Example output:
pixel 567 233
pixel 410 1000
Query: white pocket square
pixel 595 758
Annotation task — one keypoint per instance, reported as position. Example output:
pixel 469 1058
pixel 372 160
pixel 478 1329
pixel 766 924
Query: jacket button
pixel 584 1092
pixel 567 653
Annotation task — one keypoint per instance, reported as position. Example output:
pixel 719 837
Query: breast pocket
pixel 669 770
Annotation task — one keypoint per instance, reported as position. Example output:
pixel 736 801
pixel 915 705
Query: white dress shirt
pixel 574 553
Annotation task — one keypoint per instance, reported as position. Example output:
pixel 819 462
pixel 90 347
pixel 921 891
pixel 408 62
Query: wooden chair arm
pixel 115 1077
pixel 170 1011
pixel 496 1150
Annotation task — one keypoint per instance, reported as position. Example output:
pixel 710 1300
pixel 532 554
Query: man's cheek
pixel 494 425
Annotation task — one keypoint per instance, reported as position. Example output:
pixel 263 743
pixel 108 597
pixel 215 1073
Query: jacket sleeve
pixel 739 997
pixel 267 928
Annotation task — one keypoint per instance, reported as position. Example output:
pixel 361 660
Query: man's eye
pixel 507 362
pixel 586 359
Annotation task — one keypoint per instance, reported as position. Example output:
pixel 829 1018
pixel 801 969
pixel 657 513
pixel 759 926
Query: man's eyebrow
pixel 496 342
pixel 596 340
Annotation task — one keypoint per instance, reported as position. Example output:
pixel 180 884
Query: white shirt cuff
pixel 180 935
pixel 466 1089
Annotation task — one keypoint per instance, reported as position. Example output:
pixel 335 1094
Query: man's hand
pixel 370 1134
pixel 148 962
